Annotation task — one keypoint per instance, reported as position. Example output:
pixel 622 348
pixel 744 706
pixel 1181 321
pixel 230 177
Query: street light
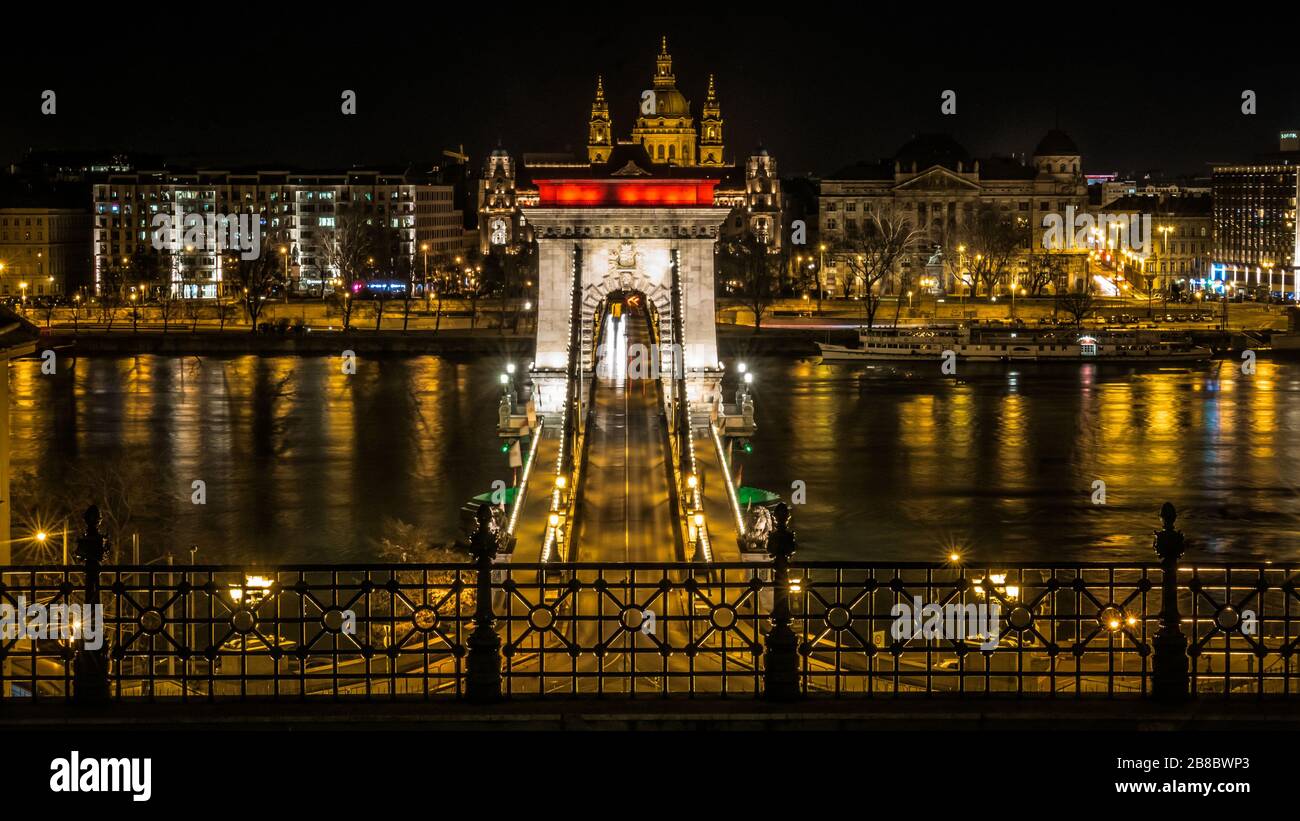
pixel 284 252
pixel 424 249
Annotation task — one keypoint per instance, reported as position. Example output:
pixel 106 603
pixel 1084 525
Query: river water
pixel 300 462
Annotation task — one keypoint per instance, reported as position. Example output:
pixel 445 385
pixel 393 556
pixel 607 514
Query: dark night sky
pixel 821 90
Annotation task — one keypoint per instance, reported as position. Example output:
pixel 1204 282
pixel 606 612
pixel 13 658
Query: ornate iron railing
pixel 630 630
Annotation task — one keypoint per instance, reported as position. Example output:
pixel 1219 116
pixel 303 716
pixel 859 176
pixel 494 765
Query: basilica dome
pixel 1056 143
pixel 669 102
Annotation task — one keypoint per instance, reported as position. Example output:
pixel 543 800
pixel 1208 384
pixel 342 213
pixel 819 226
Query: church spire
pixel 664 67
pixel 600 139
pixel 711 128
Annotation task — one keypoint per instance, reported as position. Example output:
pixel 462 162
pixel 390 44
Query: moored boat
pixel 1011 344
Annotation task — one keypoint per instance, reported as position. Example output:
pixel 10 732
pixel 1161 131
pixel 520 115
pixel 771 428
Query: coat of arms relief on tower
pixel 624 258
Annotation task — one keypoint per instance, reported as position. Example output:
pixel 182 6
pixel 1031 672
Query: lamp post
pixel 1169 669
pixel 1165 231
pixel 424 250
pixel 961 277
pixel 821 273
pixel 284 252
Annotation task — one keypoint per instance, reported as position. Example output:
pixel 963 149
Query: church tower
pixel 666 127
pixel 711 129
pixel 600 139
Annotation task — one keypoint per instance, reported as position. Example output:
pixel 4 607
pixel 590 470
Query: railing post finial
pixel 90 667
pixel 781 656
pixel 483 674
pixel 1169 669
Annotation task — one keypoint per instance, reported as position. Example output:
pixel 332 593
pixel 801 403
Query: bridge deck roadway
pixel 625 513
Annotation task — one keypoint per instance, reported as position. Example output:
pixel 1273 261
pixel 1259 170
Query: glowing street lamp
pixel 42 536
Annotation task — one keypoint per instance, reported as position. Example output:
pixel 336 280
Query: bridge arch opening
pixel 653 302
pixel 653 354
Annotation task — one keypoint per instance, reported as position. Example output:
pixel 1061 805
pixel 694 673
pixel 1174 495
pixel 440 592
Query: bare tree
pixel 1043 270
pixel 904 284
pixel 127 499
pixel 350 249
pixel 47 308
pixel 758 269
pixel 437 317
pixel 76 312
pixel 168 304
pixel 256 279
pixel 155 271
pixel 112 279
pixel 1077 304
pixel 871 252
pixel 343 303
pixel 952 251
pixel 992 239
pixel 388 262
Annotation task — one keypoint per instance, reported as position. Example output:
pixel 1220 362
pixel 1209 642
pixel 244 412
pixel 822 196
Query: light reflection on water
pixel 303 463
pixel 1000 462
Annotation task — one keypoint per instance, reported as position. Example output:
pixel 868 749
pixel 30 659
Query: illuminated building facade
pixel 43 251
pixel 934 184
pixel 1181 241
pixel 1256 240
pixel 297 211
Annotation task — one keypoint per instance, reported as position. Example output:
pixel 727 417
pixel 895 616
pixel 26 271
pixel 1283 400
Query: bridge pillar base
pixel 549 392
pixel 703 389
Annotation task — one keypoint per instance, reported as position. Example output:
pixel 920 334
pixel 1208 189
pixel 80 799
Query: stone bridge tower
pixel 629 225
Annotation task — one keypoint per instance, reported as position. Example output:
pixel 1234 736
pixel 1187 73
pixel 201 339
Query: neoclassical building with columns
pixel 937 186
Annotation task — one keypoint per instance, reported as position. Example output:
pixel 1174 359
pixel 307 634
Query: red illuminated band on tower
pixel 633 193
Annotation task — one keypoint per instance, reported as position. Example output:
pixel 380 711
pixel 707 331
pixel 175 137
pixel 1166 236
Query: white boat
pixel 1011 344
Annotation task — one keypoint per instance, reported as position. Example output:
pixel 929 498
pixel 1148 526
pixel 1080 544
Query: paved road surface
pixel 626 515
